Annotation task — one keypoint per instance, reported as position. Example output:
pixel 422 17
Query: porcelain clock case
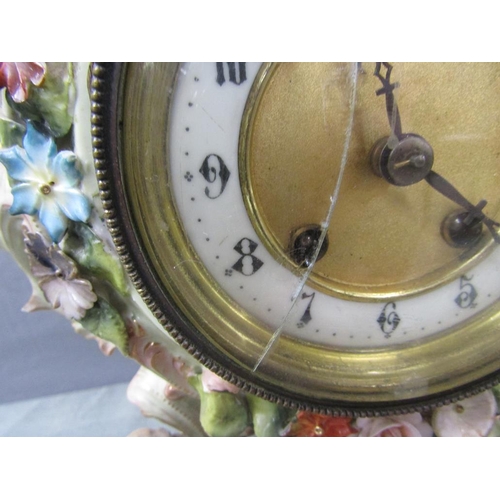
pixel 212 172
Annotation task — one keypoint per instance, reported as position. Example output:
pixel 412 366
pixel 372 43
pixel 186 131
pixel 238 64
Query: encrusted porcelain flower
pixel 146 432
pixel 213 383
pixel 471 417
pixel 58 279
pixel 16 75
pixel 148 391
pixel 411 425
pixel 315 425
pixel 46 183
pixel 160 360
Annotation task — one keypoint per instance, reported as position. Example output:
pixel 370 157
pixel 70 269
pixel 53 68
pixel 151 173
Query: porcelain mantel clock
pixel 324 235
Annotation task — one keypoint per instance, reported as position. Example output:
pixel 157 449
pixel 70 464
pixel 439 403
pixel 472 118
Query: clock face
pixel 315 231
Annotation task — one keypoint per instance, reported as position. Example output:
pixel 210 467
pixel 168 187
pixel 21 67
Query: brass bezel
pixel 129 112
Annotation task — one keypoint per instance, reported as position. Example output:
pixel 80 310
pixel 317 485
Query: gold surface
pixel 221 333
pixel 384 240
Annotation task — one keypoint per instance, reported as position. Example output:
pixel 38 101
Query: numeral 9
pixel 214 170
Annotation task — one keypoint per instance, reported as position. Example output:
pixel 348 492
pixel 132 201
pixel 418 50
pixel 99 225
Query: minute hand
pixel 391 105
pixel 441 185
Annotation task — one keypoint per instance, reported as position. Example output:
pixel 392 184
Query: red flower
pixel 15 76
pixel 314 425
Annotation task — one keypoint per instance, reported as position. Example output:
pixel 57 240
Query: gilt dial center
pixel 385 233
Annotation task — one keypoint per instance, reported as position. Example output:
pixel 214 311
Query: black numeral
pixel 388 319
pixel 248 264
pixel 214 170
pixel 467 297
pixel 306 317
pixel 236 72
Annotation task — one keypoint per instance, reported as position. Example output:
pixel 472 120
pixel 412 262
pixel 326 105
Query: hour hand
pixel 387 89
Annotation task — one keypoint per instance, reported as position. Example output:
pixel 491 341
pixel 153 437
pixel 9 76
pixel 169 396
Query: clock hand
pixel 475 212
pixel 390 101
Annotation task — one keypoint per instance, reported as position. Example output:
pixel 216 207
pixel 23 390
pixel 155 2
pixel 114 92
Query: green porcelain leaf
pixel 268 418
pixel 495 430
pixel 496 393
pixel 222 414
pixel 104 321
pixel 83 246
pixel 11 133
pixel 52 102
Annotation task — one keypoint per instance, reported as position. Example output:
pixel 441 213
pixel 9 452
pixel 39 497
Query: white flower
pixel 471 417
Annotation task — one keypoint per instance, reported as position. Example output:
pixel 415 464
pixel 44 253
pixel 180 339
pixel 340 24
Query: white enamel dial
pixel 208 105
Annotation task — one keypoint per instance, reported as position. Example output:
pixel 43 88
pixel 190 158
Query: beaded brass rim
pixel 126 112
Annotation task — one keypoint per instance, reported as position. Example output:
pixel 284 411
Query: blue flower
pixel 46 183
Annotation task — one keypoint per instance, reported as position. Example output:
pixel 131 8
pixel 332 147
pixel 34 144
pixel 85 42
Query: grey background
pixel 40 354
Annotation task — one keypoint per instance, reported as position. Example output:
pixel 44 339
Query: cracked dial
pixel 277 231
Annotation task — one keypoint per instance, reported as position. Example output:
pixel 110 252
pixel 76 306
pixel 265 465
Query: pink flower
pixel 213 383
pixel 145 432
pixel 412 425
pixel 155 356
pixel 57 276
pixel 15 76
